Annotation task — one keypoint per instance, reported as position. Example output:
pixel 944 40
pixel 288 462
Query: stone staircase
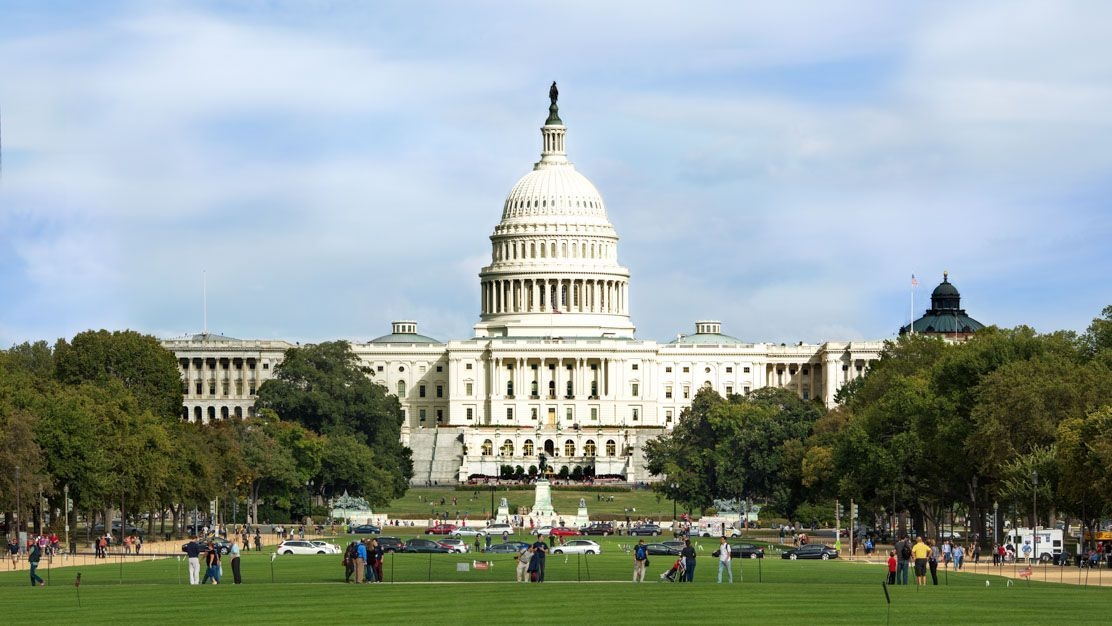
pixel 437 454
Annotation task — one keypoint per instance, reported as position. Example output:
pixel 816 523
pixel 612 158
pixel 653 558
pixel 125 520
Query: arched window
pixel 488 447
pixel 569 448
pixel 239 411
pixel 549 447
pixel 401 389
pixel 589 448
pixel 611 448
pixel 527 447
pixel 197 413
pixel 223 412
pixel 211 413
pixel 507 448
pixel 569 394
pixel 551 389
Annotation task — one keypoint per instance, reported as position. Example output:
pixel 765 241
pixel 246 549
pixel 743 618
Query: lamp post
pixel 66 506
pixel 995 523
pixel 18 506
pixel 674 486
pixel 1035 511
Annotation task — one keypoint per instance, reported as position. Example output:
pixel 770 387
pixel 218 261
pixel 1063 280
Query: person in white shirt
pixel 724 558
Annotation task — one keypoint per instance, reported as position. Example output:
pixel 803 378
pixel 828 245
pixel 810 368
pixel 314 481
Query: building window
pixel 468 366
pixel 636 414
pixel 421 369
pixel 379 368
pixel 212 389
pixel 745 369
pixel 200 389
pixel 509 412
pixel 611 448
pixel 569 390
pixel 570 414
pixel 440 391
pixel 729 370
pixel 589 448
pixel 470 413
pixel 635 366
pixel 401 388
pixel 594 388
pixel 668 370
pixel 686 370
pixel 533 387
pixel 488 448
pixel 533 413
pixel 421 414
pixel 806 394
pixel 745 390
pixel 251 389
pixel 507 448
pixel 470 388
pixel 401 368
pixel 594 412
pixel 668 391
pixel 569 448
pixel 729 390
pixel 266 366
pixel 635 388
pixel 509 389
pixel 421 391
pixel 686 392
pixel 439 416
pixel 440 368
pixel 668 416
pixel 527 447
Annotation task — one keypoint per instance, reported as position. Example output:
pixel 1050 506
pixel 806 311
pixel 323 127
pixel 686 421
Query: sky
pixel 313 170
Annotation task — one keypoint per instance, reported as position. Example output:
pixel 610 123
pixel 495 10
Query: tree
pixel 146 370
pixel 1084 458
pixel 324 388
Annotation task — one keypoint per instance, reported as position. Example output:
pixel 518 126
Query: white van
pixel 1023 540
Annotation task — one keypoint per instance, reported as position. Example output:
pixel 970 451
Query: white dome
pixel 550 192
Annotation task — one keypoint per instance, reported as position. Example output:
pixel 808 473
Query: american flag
pixel 914 281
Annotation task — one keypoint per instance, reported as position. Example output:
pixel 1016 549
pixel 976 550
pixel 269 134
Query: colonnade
pixel 589 378
pixel 543 295
pixel 541 248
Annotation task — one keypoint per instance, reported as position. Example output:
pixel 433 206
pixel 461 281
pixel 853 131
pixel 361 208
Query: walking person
pixel 192 551
pixel 724 558
pixel 932 562
pixel 377 553
pixel 640 559
pixel 13 550
pixel 235 563
pixel 212 560
pixel 349 562
pixel 892 567
pixel 921 552
pixel 33 560
pixel 688 554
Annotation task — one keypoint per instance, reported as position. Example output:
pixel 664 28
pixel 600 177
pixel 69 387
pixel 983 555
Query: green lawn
pixel 421 501
pixel 309 588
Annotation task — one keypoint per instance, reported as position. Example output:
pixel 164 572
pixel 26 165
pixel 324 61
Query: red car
pixel 441 529
pixel 564 531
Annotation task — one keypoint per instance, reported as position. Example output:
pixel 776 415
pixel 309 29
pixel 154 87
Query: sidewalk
pixel 1069 575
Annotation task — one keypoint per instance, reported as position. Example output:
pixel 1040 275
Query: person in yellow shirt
pixel 920 552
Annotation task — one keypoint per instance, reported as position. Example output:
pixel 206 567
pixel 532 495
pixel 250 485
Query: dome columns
pixel 549 295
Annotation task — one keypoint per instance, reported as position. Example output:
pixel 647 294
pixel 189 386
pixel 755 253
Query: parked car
pixel 660 549
pixel 564 531
pixel 497 529
pixel 366 529
pixel 746 551
pixel 329 548
pixel 510 547
pixel 441 529
pixel 811 551
pixel 598 528
pixel 424 545
pixel 578 546
pixel 541 531
pixel 455 545
pixel 467 531
pixel 646 530
pixel 391 544
pixel 220 544
pixel 299 546
pixel 675 544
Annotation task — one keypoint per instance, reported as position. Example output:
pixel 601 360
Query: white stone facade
pixel 554 366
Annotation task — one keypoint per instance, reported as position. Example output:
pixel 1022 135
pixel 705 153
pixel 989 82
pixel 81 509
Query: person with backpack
pixel 640 558
pixel 903 559
pixel 33 559
pixel 349 562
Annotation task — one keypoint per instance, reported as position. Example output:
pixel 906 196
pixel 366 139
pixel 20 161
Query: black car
pixel 366 529
pixel 511 547
pixel 660 549
pixel 220 545
pixel 424 545
pixel 598 528
pixel 811 551
pixel 391 544
pixel 650 530
pixel 746 551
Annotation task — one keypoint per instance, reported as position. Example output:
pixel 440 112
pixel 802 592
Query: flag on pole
pixel 914 281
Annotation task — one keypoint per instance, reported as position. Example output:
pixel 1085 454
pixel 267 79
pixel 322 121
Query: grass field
pixel 579 590
pixel 421 501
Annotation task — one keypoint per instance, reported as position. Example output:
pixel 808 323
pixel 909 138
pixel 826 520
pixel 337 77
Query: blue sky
pixel 332 166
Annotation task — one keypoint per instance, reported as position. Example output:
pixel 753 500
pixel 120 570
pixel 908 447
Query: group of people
pixel 683 569
pixel 213 568
pixel 363 559
pixel 37 547
pixel 925 554
pixel 531 561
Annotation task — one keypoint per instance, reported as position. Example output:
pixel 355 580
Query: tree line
pixel 1010 419
pixel 99 417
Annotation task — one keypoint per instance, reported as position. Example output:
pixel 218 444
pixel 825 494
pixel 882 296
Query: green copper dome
pixel 945 317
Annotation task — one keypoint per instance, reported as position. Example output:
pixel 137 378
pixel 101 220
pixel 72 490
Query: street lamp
pixel 674 486
pixel 18 506
pixel 1035 510
pixel 995 523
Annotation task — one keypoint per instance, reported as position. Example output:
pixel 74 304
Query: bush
pixel 563 475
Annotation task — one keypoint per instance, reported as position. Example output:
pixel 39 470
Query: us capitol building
pixel 553 366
